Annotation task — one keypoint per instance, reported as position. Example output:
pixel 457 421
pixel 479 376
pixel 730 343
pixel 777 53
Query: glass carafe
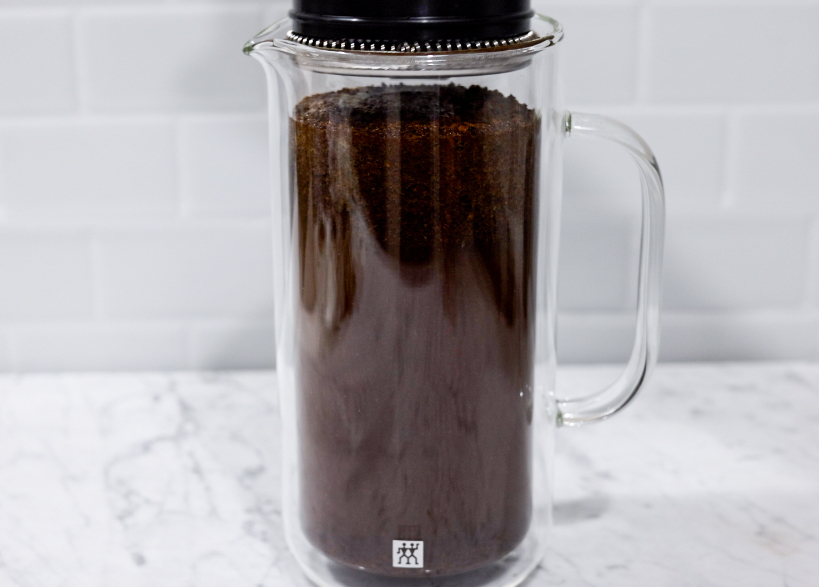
pixel 416 225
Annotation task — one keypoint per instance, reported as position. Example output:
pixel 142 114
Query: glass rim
pixel 545 32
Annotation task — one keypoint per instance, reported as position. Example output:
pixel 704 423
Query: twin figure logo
pixel 408 554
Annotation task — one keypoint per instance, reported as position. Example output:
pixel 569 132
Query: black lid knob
pixel 411 20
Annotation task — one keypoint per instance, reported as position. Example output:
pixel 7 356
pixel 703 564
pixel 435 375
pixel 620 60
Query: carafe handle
pixel 604 403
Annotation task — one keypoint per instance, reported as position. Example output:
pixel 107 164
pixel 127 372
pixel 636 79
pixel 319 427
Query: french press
pixel 416 155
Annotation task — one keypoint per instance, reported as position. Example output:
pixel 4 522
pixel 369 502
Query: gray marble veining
pixel 710 478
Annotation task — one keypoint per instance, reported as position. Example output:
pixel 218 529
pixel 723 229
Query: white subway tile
pixel 813 265
pixel 173 59
pixel 712 3
pixel 225 167
pixel 730 264
pixel 100 347
pixel 36 67
pixel 199 295
pixel 276 10
pixel 777 162
pixel 690 149
pixel 599 52
pixel 187 273
pixel 45 276
pixel 608 338
pixel 737 53
pixel 5 352
pixel 594 337
pixel 233 346
pixel 86 170
pixel 749 337
pixel 56 4
pixel 598 263
pixel 547 8
pixel 599 177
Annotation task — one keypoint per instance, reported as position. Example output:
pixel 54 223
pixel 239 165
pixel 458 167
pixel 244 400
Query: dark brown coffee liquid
pixel 416 227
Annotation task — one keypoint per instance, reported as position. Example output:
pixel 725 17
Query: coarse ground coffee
pixel 416 210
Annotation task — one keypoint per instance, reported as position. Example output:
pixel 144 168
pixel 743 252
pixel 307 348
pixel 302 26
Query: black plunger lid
pixel 411 20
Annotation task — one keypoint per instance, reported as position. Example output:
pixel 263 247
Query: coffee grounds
pixel 416 227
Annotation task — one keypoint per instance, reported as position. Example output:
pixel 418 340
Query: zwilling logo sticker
pixel 408 554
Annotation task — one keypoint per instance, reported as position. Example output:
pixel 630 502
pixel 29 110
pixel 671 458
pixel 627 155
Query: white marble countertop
pixel 710 478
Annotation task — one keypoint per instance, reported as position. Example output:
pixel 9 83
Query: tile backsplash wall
pixel 134 197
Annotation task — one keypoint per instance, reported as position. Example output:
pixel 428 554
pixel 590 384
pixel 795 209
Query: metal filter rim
pixel 433 46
